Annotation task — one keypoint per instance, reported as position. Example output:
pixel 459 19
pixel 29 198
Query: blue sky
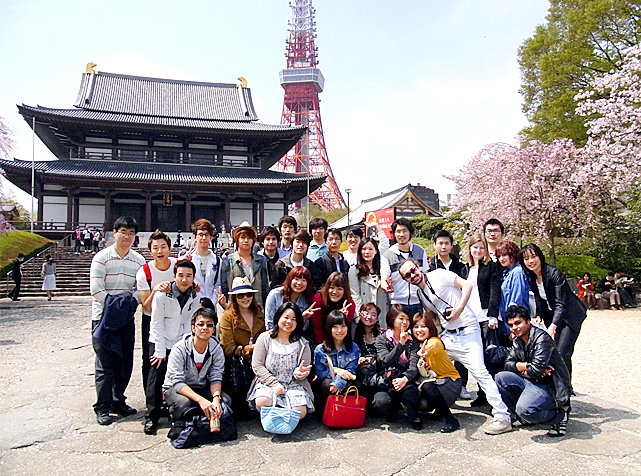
pixel 413 89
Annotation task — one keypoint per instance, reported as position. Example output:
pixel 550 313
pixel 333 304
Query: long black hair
pixel 363 269
pixel 529 250
pixel 296 333
pixel 335 318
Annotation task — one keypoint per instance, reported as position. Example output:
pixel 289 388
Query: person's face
pixel 519 326
pixel 299 247
pixel 339 331
pixel 333 243
pixel 402 235
pixel 124 236
pixel 532 262
pixel 159 249
pixel 245 241
pixel 421 331
pixel 401 322
pixel 203 238
pixel 368 252
pixel 203 328
pixel 270 243
pixel 318 234
pixel 369 317
pixel 493 234
pixel 244 300
pixel 506 261
pixel 287 231
pixel 299 284
pixel 443 246
pixel 410 273
pixel 477 250
pixel 184 278
pixel 335 293
pixel 287 321
pixel 353 241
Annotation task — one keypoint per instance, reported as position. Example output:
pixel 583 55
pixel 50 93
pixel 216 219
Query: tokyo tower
pixel 302 81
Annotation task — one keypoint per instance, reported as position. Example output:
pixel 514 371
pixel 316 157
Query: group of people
pixel 303 321
pixel 87 239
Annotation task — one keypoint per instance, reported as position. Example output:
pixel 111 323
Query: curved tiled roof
pixel 117 93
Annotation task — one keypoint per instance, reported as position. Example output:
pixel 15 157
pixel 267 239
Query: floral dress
pixel 281 362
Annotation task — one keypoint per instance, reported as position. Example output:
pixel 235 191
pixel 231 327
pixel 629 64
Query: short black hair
pixel 159 235
pixel 494 221
pixel 125 222
pixel 266 231
pixel 356 231
pixel 334 231
pixel 206 313
pixel 403 222
pixel 394 311
pixel 300 321
pixel 289 220
pixel 20 255
pixel 185 263
pixel 517 311
pixel 318 223
pixel 443 234
pixel 336 318
pixel 302 235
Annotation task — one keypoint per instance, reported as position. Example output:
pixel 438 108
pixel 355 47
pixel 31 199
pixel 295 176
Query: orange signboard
pixel 383 218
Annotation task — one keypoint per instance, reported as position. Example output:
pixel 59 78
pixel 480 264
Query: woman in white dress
pixel 49 276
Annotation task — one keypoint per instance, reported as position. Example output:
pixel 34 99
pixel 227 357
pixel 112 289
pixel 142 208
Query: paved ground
pixel 48 426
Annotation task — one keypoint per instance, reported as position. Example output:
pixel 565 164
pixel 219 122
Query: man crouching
pixel 195 373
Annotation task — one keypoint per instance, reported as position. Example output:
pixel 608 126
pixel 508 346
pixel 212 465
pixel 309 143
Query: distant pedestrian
pixel 96 240
pixel 49 276
pixel 78 240
pixel 16 274
pixel 86 239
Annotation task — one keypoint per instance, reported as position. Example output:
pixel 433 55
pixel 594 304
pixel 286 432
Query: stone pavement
pixel 48 426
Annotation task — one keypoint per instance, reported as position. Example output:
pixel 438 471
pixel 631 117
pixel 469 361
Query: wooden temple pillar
pixel 255 215
pixel 108 223
pixel 285 208
pixel 41 203
pixel 148 212
pixel 188 212
pixel 227 213
pixel 69 223
pixel 261 212
pixel 76 211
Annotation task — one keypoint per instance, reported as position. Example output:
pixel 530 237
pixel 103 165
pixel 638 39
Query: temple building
pixel 163 151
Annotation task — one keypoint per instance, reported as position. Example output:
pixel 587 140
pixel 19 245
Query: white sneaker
pixel 465 395
pixel 498 425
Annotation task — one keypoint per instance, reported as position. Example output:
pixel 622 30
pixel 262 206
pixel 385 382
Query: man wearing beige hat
pixel 245 263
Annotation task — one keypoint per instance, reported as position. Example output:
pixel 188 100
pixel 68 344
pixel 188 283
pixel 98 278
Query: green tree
pixel 580 39
pixel 317 212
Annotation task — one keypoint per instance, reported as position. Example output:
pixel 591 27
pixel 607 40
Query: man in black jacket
pixel 330 261
pixel 16 273
pixel 443 244
pixel 536 383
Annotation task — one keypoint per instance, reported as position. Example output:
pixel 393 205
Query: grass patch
pixel 14 242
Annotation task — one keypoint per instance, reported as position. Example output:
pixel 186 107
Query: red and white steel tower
pixel 302 81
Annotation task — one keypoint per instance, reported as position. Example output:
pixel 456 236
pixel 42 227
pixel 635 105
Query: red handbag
pixel 345 411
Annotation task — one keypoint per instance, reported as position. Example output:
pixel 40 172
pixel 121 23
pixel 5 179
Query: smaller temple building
pixel 165 152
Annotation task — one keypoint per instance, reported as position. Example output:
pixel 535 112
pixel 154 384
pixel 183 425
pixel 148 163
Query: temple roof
pixel 117 93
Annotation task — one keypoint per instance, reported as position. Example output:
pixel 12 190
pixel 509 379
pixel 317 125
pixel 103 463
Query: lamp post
pixel 348 191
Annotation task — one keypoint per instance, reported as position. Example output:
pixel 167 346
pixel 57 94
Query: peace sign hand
pixel 346 306
pixel 307 313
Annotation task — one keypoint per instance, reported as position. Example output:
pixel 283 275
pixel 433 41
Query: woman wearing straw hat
pixel 240 325
pixel 244 263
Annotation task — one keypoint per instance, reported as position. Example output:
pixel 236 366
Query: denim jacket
pixel 343 359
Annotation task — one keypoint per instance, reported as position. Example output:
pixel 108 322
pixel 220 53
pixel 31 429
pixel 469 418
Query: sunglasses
pixel 410 273
pixel 244 295
pixel 204 324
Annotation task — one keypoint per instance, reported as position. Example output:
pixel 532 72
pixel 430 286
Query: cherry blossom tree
pixel 532 187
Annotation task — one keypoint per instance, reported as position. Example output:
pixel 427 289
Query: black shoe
pixel 15 299
pixel 391 417
pixel 437 415
pixel 123 409
pixel 417 425
pixel 151 427
pixel 480 401
pixel 104 418
pixel 175 430
pixel 450 426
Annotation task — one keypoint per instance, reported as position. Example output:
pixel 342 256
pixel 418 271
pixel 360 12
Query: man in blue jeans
pixel 536 383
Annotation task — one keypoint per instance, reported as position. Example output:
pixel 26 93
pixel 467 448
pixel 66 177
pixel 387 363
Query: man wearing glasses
pixel 493 230
pixel 194 376
pixel 447 294
pixel 207 263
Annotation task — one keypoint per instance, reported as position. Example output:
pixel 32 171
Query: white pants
pixel 466 347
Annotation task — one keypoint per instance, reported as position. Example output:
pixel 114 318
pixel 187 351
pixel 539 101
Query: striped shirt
pixel 111 274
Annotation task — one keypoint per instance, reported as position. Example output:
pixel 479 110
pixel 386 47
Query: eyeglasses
pixel 204 324
pixel 244 295
pixel 490 231
pixel 410 273
pixel 202 235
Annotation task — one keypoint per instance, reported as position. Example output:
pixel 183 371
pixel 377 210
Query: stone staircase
pixel 72 273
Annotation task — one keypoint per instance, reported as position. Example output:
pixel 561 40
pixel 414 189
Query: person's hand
pixel 208 407
pixel 220 297
pixel 247 351
pixel 344 374
pixel 455 313
pixel 333 389
pixel 399 383
pixel 196 287
pixel 155 361
pixel 387 285
pixel 302 371
pixel 346 306
pixel 404 337
pixel 547 371
pixel 524 374
pixel 363 360
pixel 493 323
pixel 163 287
pixel 279 389
pixel 217 407
pixel 307 313
pixel 552 330
pixel 538 321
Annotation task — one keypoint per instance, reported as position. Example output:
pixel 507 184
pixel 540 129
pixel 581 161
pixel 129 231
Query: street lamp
pixel 348 191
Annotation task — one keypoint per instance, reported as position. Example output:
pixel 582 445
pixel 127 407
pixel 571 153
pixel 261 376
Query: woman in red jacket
pixel 586 290
pixel 334 295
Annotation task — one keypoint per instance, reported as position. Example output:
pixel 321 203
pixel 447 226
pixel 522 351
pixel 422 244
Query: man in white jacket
pixel 171 315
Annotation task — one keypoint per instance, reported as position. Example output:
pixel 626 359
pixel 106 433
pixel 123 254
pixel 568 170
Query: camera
pixel 447 313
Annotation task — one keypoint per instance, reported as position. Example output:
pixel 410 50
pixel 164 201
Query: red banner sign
pixel 383 218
